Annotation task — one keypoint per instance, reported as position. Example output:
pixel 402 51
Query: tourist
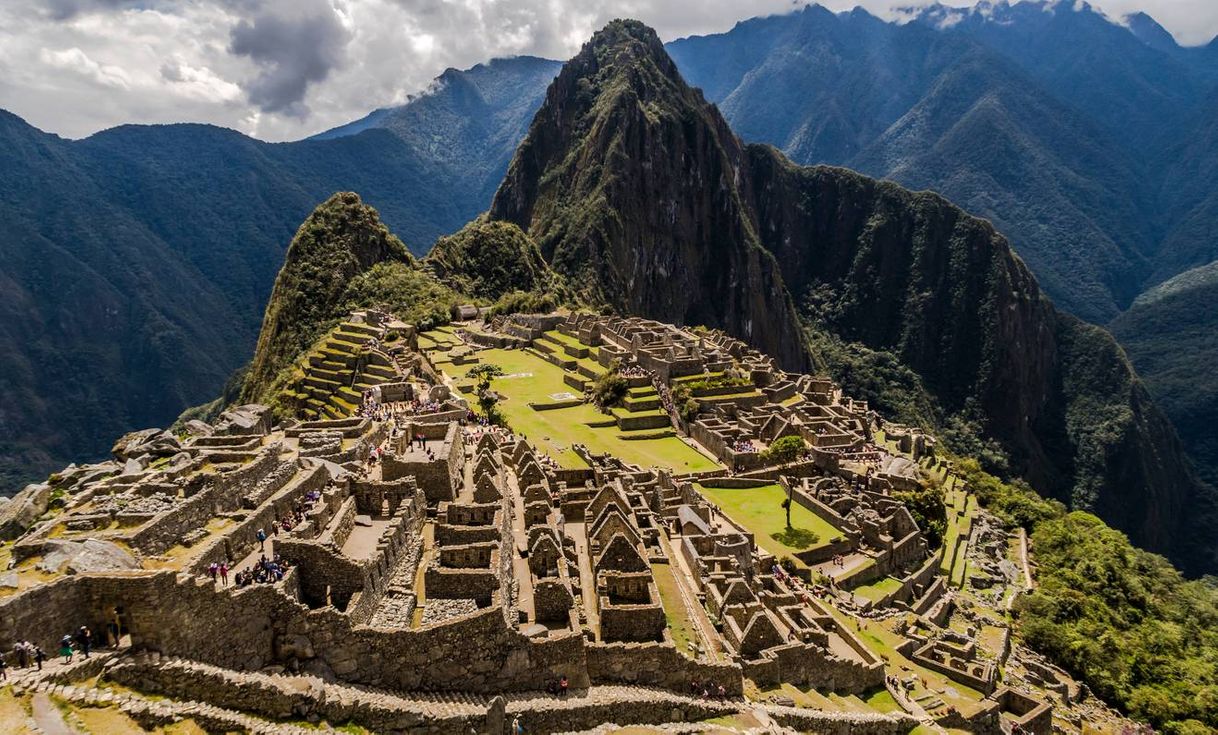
pixel 517 728
pixel 3 668
pixel 261 540
pixel 212 570
pixel 18 655
pixel 84 640
pixel 224 573
pixel 562 686
pixel 722 692
pixel 39 656
pixel 65 648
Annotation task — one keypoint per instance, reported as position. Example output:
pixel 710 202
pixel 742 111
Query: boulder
pixel 19 514
pixel 199 428
pixel 152 442
pixel 9 580
pixel 90 555
pixel 251 419
pixel 128 445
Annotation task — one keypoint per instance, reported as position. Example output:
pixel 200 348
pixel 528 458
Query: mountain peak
pixel 341 239
pixel 623 46
pixel 631 185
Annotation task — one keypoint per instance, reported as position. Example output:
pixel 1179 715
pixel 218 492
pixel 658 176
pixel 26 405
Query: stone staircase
pixel 156 713
pixel 278 696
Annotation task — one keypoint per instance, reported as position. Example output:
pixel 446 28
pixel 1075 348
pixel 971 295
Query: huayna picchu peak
pixel 676 436
pixel 628 180
pixel 638 192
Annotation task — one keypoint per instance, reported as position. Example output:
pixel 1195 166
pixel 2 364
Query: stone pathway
pixel 47 716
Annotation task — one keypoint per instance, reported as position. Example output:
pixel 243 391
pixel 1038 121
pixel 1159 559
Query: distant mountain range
pixel 136 263
pixel 1092 144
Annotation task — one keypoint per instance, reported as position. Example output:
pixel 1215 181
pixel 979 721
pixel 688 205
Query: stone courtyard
pixel 383 559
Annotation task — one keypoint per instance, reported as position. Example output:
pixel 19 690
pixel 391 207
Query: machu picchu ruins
pixel 724 547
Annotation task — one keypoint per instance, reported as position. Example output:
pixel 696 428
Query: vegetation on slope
pixel 1171 335
pixel 1121 619
pixel 340 241
pixel 488 260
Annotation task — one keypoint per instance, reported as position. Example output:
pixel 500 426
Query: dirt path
pixel 48 717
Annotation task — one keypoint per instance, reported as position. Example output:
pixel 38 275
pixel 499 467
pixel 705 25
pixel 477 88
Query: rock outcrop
pixel 20 512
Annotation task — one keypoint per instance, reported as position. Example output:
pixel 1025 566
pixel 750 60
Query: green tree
pixel 610 388
pixel 488 399
pixel 785 449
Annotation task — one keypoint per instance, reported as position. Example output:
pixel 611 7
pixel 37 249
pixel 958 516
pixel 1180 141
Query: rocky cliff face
pixel 635 188
pixel 911 274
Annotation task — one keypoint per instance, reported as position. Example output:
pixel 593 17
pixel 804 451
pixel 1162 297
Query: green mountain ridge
pixel 138 262
pixel 1171 334
pixel 619 207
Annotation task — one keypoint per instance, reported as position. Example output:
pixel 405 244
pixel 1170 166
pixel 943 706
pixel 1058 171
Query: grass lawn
pixel 759 510
pixel 881 700
pixel 879 589
pixel 530 379
pixel 683 629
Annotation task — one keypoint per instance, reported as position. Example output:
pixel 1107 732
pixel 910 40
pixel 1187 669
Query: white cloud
pixel 76 61
pixel 284 69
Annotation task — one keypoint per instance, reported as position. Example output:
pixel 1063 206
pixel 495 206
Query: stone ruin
pixel 471 569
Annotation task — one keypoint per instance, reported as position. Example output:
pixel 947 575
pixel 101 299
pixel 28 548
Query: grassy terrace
pixel 882 640
pixel 960 510
pixel 682 628
pixel 759 510
pixel 879 589
pixel 530 379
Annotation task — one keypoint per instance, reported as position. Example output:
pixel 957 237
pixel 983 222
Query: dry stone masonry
pixel 372 552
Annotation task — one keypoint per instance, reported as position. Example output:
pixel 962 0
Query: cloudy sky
pixel 284 69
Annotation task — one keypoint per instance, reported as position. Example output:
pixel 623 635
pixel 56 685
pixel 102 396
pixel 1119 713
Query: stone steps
pixel 439 711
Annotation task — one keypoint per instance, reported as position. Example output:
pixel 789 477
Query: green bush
pixel 784 449
pixel 610 388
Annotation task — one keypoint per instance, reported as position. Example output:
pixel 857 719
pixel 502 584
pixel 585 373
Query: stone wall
pixel 241 541
pixel 811 665
pixel 222 493
pixel 843 723
pixel 43 614
pixel 656 664
pixel 258 626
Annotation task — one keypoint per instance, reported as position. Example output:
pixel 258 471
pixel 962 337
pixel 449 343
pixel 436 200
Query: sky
pixel 285 69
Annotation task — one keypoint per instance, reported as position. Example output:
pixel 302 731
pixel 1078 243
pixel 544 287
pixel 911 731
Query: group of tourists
pixel 25 654
pixel 743 446
pixel 266 571
pixel 218 571
pixel 370 407
pixel 707 689
pixel 293 517
pixel 418 407
pixel 559 686
pixel 81 640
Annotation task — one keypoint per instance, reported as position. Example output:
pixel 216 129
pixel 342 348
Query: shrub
pixel 610 388
pixel 784 449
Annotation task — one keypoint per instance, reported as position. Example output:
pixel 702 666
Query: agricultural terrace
pixel 529 379
pixel 759 511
